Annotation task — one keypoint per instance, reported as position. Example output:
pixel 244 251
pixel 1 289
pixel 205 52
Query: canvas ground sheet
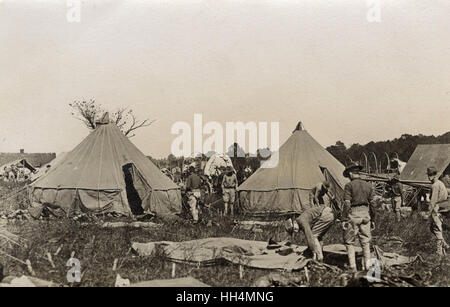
pixel 255 254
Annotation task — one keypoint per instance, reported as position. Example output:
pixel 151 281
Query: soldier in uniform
pixel 229 185
pixel 439 195
pixel 317 193
pixel 396 195
pixel 316 220
pixel 357 215
pixel 193 186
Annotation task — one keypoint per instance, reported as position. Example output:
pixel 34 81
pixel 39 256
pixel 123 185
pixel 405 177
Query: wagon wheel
pixel 379 188
pixel 411 195
pixel 408 195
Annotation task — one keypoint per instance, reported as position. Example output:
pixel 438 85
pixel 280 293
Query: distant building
pixel 35 159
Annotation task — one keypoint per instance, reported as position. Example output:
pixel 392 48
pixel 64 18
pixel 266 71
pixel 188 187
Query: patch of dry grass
pixel 97 248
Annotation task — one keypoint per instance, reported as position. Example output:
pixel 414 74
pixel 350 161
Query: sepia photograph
pixel 224 151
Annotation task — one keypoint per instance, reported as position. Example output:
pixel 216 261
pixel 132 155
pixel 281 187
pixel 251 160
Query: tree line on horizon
pixel 238 157
pixel 403 146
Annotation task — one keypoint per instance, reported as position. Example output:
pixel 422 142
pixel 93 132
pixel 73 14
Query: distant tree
pixel 263 154
pixel 354 153
pixel 339 151
pixel 254 163
pixel 210 153
pixel 171 161
pixel 89 112
pixel 155 161
pixel 171 158
pixel 403 146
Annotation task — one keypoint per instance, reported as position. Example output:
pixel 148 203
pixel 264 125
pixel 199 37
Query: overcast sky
pixel 320 62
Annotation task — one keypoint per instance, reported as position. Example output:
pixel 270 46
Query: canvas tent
pixel 215 162
pixel 282 184
pixel 107 173
pixel 46 167
pixel 424 156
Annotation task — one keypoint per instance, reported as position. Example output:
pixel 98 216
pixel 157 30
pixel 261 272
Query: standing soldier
pixel 358 214
pixel 5 174
pixel 439 195
pixel 193 185
pixel 11 174
pixel 396 195
pixel 220 175
pixel 229 185
pixel 176 175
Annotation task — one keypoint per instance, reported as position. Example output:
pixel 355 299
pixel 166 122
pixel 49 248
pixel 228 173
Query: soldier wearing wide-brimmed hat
pixel 439 195
pixel 352 168
pixel 358 214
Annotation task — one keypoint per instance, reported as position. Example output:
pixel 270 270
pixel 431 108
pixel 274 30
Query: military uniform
pixel 193 184
pixel 360 195
pixel 320 190
pixel 316 221
pixel 396 195
pixel 229 185
pixel 439 194
pixel 357 216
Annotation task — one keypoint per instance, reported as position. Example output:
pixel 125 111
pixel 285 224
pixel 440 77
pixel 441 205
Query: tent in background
pixel 46 167
pixel 34 159
pixel 215 162
pixel 424 156
pixel 18 163
pixel 282 184
pixel 107 173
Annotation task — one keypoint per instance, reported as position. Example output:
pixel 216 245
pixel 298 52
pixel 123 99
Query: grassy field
pixel 97 248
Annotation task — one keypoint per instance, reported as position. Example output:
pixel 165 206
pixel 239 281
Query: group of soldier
pixel 224 183
pixel 357 214
pixel 13 174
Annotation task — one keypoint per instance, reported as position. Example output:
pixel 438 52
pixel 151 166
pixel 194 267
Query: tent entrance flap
pixel 136 188
pixel 335 187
